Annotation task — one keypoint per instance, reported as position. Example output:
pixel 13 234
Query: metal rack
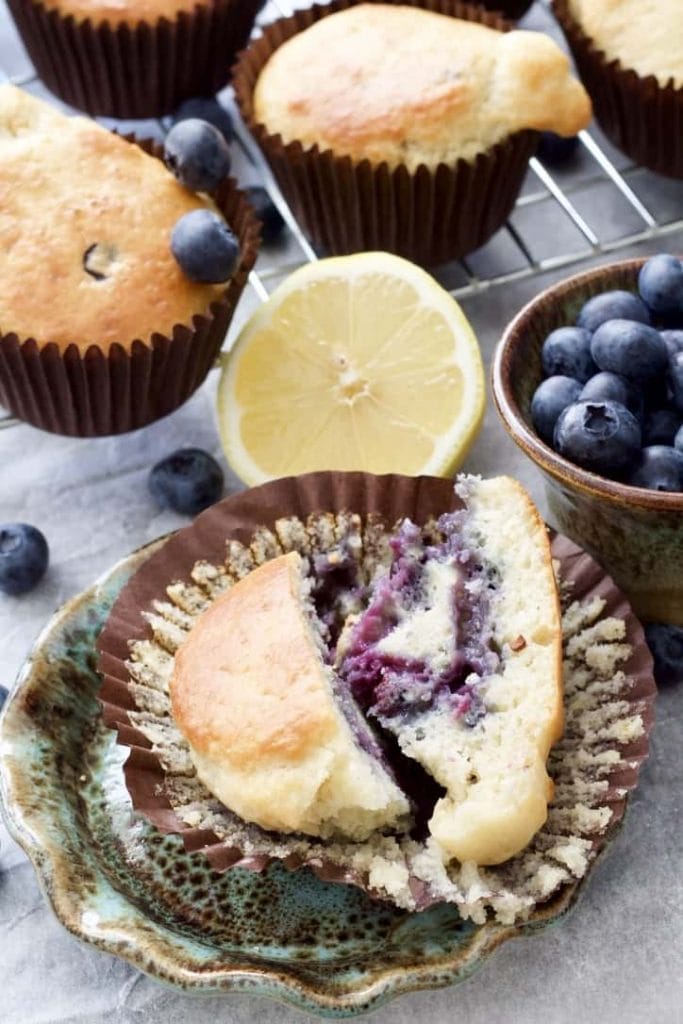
pixel 644 206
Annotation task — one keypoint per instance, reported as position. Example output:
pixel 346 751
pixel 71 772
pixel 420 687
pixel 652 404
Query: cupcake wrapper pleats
pixel 139 70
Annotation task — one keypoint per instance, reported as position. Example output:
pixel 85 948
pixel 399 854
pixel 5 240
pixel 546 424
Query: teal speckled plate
pixel 323 947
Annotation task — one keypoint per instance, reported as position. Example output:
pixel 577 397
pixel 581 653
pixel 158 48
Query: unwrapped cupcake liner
pixel 640 116
pixel 135 70
pixel 88 393
pixel 431 215
pixel 609 696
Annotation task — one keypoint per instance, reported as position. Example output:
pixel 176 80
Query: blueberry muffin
pixel 127 59
pixel 101 330
pixel 424 149
pixel 630 59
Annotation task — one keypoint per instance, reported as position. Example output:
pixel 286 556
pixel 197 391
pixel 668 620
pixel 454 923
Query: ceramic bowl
pixel 636 534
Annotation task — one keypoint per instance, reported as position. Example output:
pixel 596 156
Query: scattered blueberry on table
pixel 612 398
pixel 24 557
pixel 666 645
pixel 207 108
pixel 272 223
pixel 204 247
pixel 187 481
pixel 197 154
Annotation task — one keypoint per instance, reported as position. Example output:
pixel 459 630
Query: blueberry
pixel 24 555
pixel 567 352
pixel 267 212
pixel 607 385
pixel 205 247
pixel 206 108
pixel 197 154
pixel 673 341
pixel 676 380
pixel 187 481
pixel 632 349
pixel 660 283
pixel 550 398
pixel 556 150
pixel 603 437
pixel 660 426
pixel 666 645
pixel 4 694
pixel 614 305
pixel 660 468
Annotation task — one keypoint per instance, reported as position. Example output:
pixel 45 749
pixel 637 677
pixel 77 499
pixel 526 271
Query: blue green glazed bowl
pixel 120 884
pixel 635 534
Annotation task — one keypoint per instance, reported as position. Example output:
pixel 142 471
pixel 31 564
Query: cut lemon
pixel 358 362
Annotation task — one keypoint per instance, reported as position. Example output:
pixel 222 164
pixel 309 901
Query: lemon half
pixel 358 362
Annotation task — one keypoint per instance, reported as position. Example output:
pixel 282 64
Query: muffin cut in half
pixel 454 653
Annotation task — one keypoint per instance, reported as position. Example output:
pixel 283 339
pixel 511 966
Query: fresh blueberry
pixel 205 247
pixel 556 150
pixel 567 352
pixel 632 349
pixel 4 694
pixel 673 341
pixel 550 398
pixel 607 385
pixel 666 645
pixel 197 154
pixel 660 426
pixel 206 108
pixel 603 437
pixel 187 481
pixel 660 283
pixel 24 555
pixel 614 305
pixel 660 468
pixel 676 380
pixel 272 223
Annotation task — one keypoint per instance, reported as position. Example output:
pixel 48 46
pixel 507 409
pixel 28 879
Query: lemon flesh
pixel 359 362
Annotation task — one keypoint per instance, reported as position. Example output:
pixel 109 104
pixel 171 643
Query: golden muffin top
pixel 118 12
pixel 85 229
pixel 645 35
pixel 406 86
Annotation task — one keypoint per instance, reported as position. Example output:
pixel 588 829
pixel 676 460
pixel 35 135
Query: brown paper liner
pixel 344 206
pixel 238 517
pixel 93 393
pixel 135 70
pixel 641 117
pixel 513 9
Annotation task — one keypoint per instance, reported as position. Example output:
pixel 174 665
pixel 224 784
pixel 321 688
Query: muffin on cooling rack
pixel 630 58
pixel 423 150
pixel 133 58
pixel 101 331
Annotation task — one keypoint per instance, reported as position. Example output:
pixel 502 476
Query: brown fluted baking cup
pixel 135 70
pixel 640 116
pixel 237 518
pixel 513 9
pixel 344 206
pixel 93 393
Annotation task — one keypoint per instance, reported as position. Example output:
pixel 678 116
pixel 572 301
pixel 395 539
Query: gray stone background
pixel 618 958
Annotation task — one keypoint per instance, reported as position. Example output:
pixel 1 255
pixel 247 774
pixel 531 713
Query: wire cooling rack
pixel 597 203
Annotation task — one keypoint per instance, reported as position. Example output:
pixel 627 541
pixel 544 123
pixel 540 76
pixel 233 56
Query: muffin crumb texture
pixel 419 87
pixel 407 872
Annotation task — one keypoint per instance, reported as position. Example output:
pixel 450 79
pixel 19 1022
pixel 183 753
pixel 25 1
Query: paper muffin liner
pixel 95 392
pixel 609 695
pixel 430 215
pixel 513 9
pixel 135 70
pixel 640 116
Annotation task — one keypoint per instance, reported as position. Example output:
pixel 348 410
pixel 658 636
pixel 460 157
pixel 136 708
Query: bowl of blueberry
pixel 588 380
